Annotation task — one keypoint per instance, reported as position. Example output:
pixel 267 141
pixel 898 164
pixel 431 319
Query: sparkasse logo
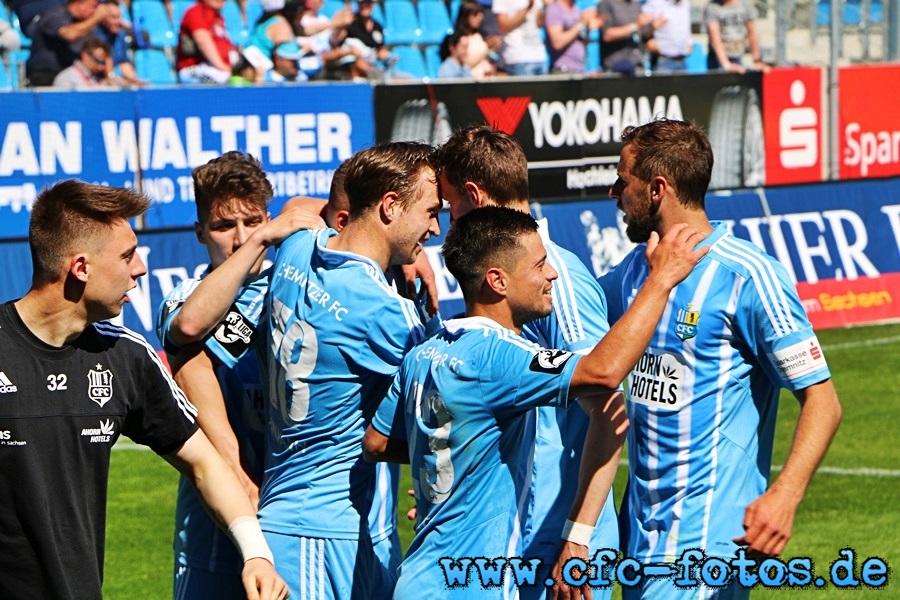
pixel 504 115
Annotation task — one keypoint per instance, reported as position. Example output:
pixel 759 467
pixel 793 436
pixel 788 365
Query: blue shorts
pixel 324 569
pixel 388 555
pixel 192 583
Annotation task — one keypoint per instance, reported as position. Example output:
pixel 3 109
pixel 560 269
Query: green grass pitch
pixel 852 502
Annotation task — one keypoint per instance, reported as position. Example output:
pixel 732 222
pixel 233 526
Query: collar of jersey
pixel 335 258
pixel 467 323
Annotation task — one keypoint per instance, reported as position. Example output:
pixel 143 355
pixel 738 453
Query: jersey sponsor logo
pixel 686 322
pixel 102 434
pixel 100 385
pixel 550 361
pixel 6 386
pixel 799 359
pixel 656 380
pixel 234 333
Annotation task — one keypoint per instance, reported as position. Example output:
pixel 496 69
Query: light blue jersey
pixel 467 397
pixel 338 332
pixel 703 398
pixel 199 543
pixel 577 323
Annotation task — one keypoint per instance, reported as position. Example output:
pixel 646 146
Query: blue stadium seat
pixel 329 7
pixel 253 10
pixel 402 24
pixel 154 66
pixel 151 16
pixel 851 14
pixel 454 10
pixel 432 59
pixel 179 7
pixel 410 61
pixel 435 21
pixel 24 40
pixel 238 31
pixel 6 82
pixel 696 60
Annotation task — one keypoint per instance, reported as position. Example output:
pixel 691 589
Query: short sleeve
pixel 160 415
pixel 389 419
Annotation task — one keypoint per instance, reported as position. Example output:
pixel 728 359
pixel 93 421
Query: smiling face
pixel 416 220
pixel 531 282
pixel 114 267
pixel 228 227
pixel 632 196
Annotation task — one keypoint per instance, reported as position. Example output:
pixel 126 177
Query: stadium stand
pixel 155 66
pixel 432 59
pixel 151 16
pixel 435 21
pixel 402 23
pixel 410 61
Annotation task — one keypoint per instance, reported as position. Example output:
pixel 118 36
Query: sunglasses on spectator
pixel 98 60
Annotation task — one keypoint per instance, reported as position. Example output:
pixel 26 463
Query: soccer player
pixel 74 384
pixel 703 398
pixel 218 369
pixel 338 332
pixel 480 166
pixel 463 396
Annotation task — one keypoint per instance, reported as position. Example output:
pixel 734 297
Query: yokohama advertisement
pixel 569 128
pixel 869 123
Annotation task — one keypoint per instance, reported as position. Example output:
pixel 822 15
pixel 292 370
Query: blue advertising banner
pixel 840 242
pixel 151 139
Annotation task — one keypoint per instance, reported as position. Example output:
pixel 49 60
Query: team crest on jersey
pixel 550 361
pixel 686 323
pixel 100 385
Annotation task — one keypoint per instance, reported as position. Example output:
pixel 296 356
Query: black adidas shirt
pixel 61 411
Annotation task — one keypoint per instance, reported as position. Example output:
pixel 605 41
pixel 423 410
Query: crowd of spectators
pixel 295 40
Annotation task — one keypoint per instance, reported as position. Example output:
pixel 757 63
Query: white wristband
pixel 247 535
pixel 577 533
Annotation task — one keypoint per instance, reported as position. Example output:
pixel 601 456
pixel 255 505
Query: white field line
pixel 125 444
pixel 862 344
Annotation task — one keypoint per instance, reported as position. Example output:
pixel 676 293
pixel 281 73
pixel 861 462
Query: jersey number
pixel 57 382
pixel 436 473
pixel 291 361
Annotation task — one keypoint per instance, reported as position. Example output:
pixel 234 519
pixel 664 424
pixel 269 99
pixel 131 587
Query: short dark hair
pixel 70 213
pixel 93 43
pixel 489 158
pixel 676 150
pixel 482 239
pixel 387 167
pixel 232 176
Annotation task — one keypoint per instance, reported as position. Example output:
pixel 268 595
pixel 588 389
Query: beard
pixel 643 220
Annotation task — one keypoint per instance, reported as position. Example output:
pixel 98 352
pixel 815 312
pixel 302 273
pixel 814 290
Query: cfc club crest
pixel 686 323
pixel 100 385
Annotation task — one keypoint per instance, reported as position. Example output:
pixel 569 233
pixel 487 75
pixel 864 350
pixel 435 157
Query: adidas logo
pixel 6 386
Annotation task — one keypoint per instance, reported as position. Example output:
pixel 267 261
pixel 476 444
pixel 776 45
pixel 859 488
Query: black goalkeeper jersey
pixel 61 411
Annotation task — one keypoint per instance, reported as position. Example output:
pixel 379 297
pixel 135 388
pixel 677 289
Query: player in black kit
pixel 70 384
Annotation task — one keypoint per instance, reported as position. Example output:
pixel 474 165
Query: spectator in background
pixel 731 26
pixel 285 68
pixel 520 21
pixel 9 40
pixel 454 65
pixel 205 52
pixel 280 23
pixel 567 26
pixel 625 31
pixel 28 12
pixel 58 36
pixel 471 21
pixel 119 35
pixel 90 69
pixel 326 39
pixel 672 41
pixel 367 35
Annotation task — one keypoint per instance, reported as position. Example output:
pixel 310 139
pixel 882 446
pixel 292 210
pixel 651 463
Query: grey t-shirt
pixel 732 18
pixel 615 55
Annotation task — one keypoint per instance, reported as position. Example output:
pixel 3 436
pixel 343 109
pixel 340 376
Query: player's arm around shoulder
pixel 220 491
pixel 671 259
pixel 385 439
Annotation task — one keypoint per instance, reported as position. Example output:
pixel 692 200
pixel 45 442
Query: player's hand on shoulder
pixel 261 582
pixel 290 221
pixel 673 257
